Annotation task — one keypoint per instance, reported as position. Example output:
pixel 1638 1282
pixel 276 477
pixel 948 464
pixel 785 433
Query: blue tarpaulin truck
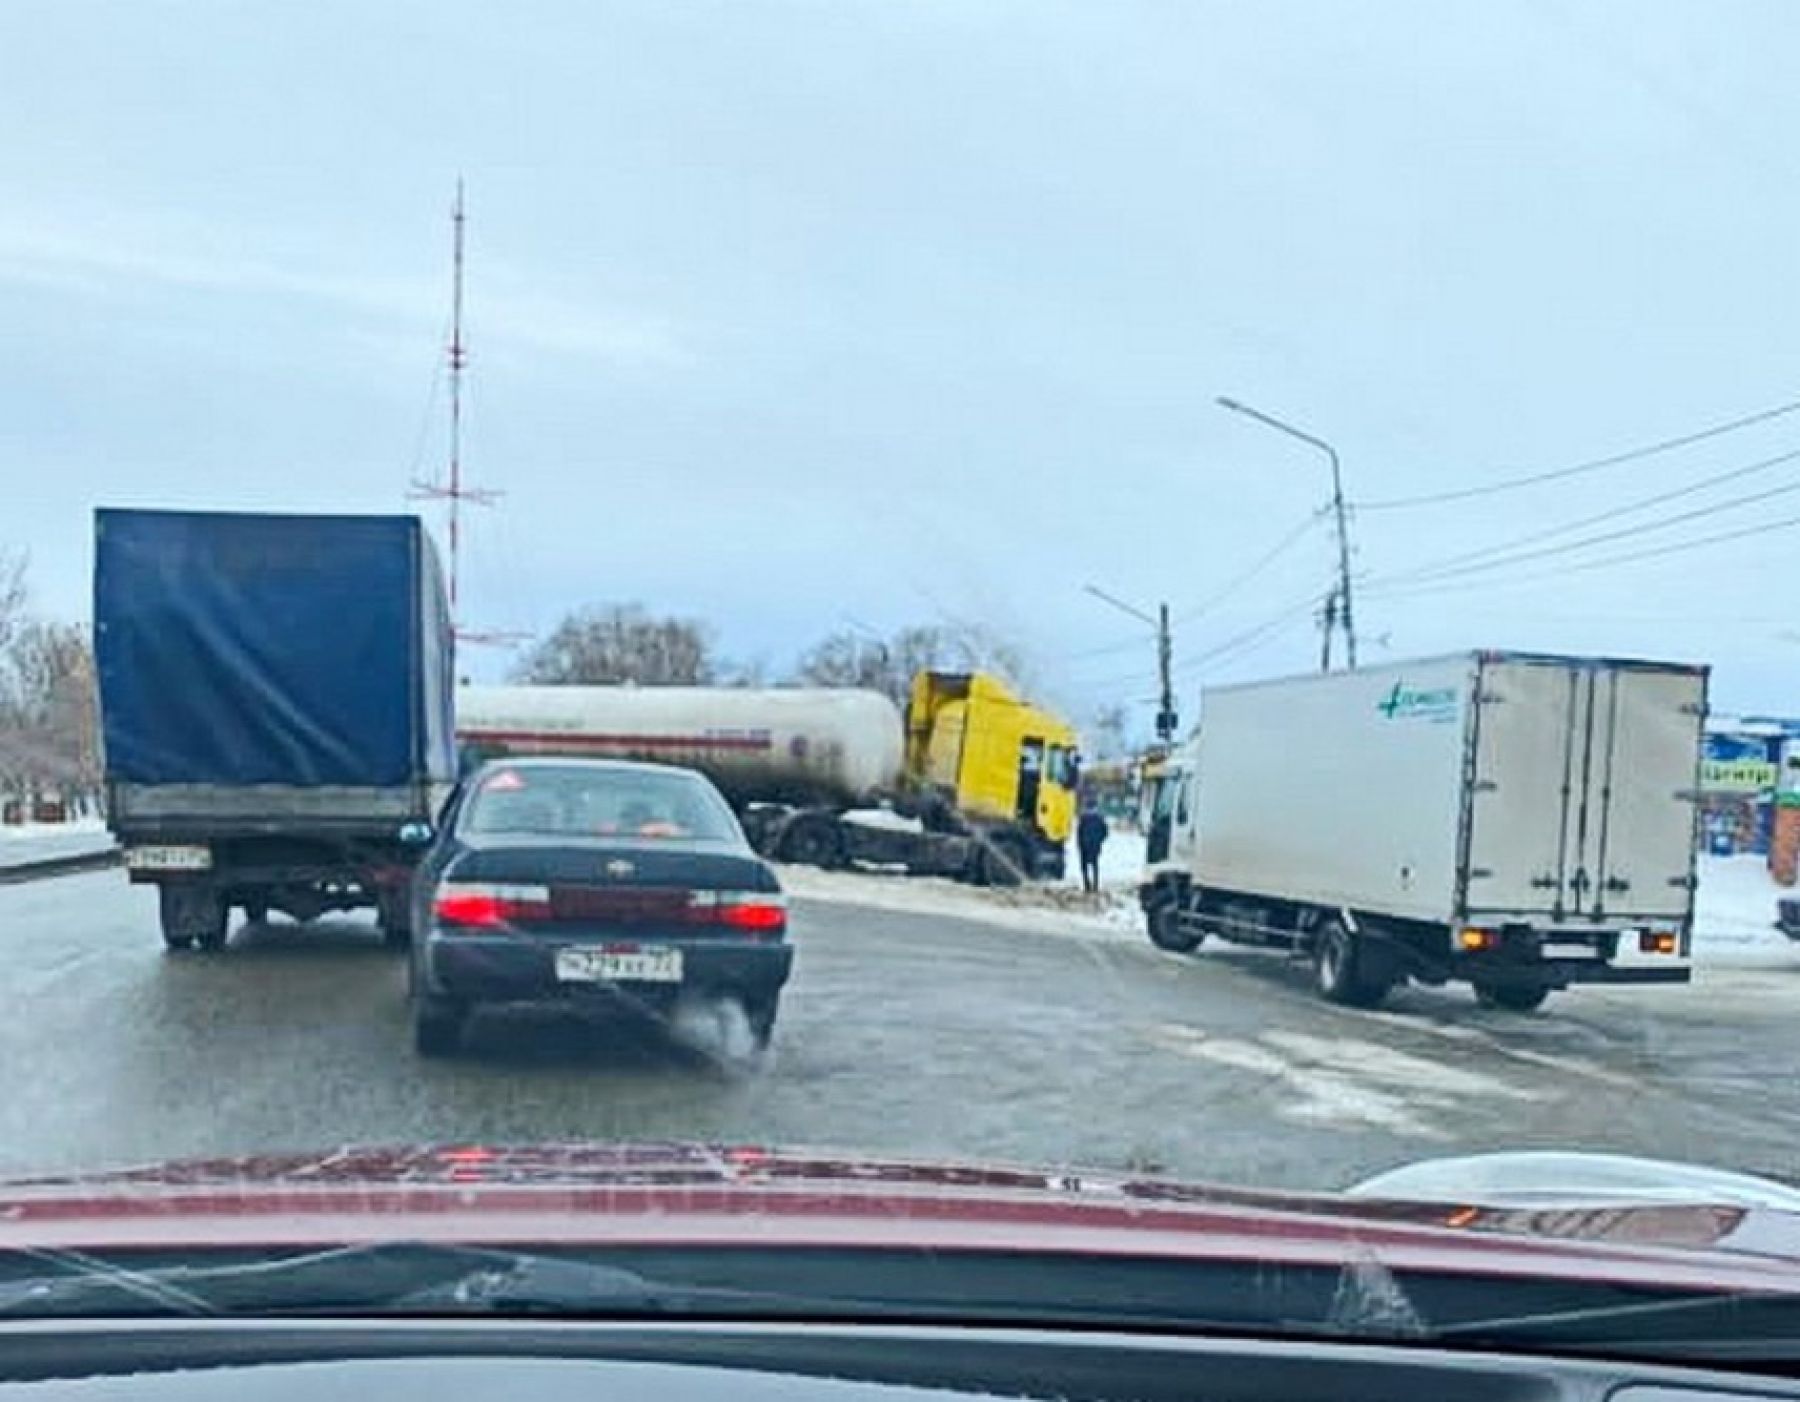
pixel 276 707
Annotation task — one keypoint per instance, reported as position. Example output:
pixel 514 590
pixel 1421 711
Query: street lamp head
pixel 1225 401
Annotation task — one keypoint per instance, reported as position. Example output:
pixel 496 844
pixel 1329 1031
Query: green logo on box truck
pixel 1405 702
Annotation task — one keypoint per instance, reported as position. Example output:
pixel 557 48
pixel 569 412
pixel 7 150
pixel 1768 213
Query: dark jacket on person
pixel 1090 833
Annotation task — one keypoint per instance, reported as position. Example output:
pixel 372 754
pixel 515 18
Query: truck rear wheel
pixel 1341 969
pixel 393 917
pixel 192 915
pixel 1514 997
pixel 1167 931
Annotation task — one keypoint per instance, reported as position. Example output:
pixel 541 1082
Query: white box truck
pixel 1517 821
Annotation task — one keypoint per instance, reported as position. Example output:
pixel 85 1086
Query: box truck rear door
pixel 1642 791
pixel 1530 719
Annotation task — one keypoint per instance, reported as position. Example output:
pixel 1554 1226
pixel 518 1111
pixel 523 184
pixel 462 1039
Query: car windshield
pixel 595 801
pixel 1141 593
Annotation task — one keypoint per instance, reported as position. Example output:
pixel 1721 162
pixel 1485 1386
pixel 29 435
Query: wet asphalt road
pixel 901 1034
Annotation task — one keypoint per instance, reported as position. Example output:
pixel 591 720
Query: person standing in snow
pixel 1090 837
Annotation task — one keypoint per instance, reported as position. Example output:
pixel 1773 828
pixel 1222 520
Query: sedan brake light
pixel 761 913
pixel 477 906
pixel 757 912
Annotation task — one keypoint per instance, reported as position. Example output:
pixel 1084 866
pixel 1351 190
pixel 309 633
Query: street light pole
pixel 1343 609
pixel 1166 721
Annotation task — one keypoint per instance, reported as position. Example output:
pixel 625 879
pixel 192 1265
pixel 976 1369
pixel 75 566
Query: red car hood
pixel 713 1197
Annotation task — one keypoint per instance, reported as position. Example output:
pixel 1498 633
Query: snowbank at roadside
pixel 35 842
pixel 39 832
pixel 1045 909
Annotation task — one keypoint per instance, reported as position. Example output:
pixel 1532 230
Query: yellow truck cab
pixel 1007 767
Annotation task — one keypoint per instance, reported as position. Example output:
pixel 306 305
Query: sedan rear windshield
pixel 576 801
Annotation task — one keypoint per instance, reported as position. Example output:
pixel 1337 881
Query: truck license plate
pixel 625 964
pixel 1570 951
pixel 168 858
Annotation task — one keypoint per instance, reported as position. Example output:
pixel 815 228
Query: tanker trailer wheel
pixel 1005 861
pixel 1341 969
pixel 813 842
pixel 1166 929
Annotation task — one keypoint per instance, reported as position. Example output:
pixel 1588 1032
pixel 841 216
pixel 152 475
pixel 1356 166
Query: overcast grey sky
pixel 785 313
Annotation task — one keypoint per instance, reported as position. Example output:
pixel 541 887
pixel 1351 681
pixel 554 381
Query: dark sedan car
pixel 589 880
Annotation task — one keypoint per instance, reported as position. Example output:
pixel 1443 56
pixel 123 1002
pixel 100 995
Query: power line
pixel 1605 537
pixel 1533 479
pixel 1262 562
pixel 1286 616
pixel 1455 562
pixel 1654 552
pixel 1287 542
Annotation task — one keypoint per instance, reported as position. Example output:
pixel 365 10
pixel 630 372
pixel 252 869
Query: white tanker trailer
pixel 972 783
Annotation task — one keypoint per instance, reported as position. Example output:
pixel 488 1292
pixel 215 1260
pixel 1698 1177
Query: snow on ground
pixel 37 832
pixel 1121 861
pixel 1734 916
pixel 31 842
pixel 1063 909
pixel 1040 908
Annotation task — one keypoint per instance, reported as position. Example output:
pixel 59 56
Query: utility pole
pixel 1338 606
pixel 1167 722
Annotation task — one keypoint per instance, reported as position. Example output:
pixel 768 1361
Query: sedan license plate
pixel 168 858
pixel 623 964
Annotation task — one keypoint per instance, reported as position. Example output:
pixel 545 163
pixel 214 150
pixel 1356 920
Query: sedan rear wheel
pixel 437 1025
pixel 760 1013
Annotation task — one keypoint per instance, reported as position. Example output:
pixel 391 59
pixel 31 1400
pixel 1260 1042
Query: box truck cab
pixel 1520 822
pixel 1168 808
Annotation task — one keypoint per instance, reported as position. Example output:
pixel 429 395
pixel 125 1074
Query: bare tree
pixel 13 596
pixel 622 643
pixel 49 722
pixel 851 659
pixel 1109 732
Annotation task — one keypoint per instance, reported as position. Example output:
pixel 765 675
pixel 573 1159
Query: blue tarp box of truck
pixel 239 651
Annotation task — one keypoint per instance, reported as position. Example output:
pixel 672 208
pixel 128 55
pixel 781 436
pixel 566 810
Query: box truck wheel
pixel 1167 931
pixel 192 915
pixel 1341 969
pixel 1514 997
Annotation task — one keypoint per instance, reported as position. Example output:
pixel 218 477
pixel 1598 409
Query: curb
pixel 43 868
